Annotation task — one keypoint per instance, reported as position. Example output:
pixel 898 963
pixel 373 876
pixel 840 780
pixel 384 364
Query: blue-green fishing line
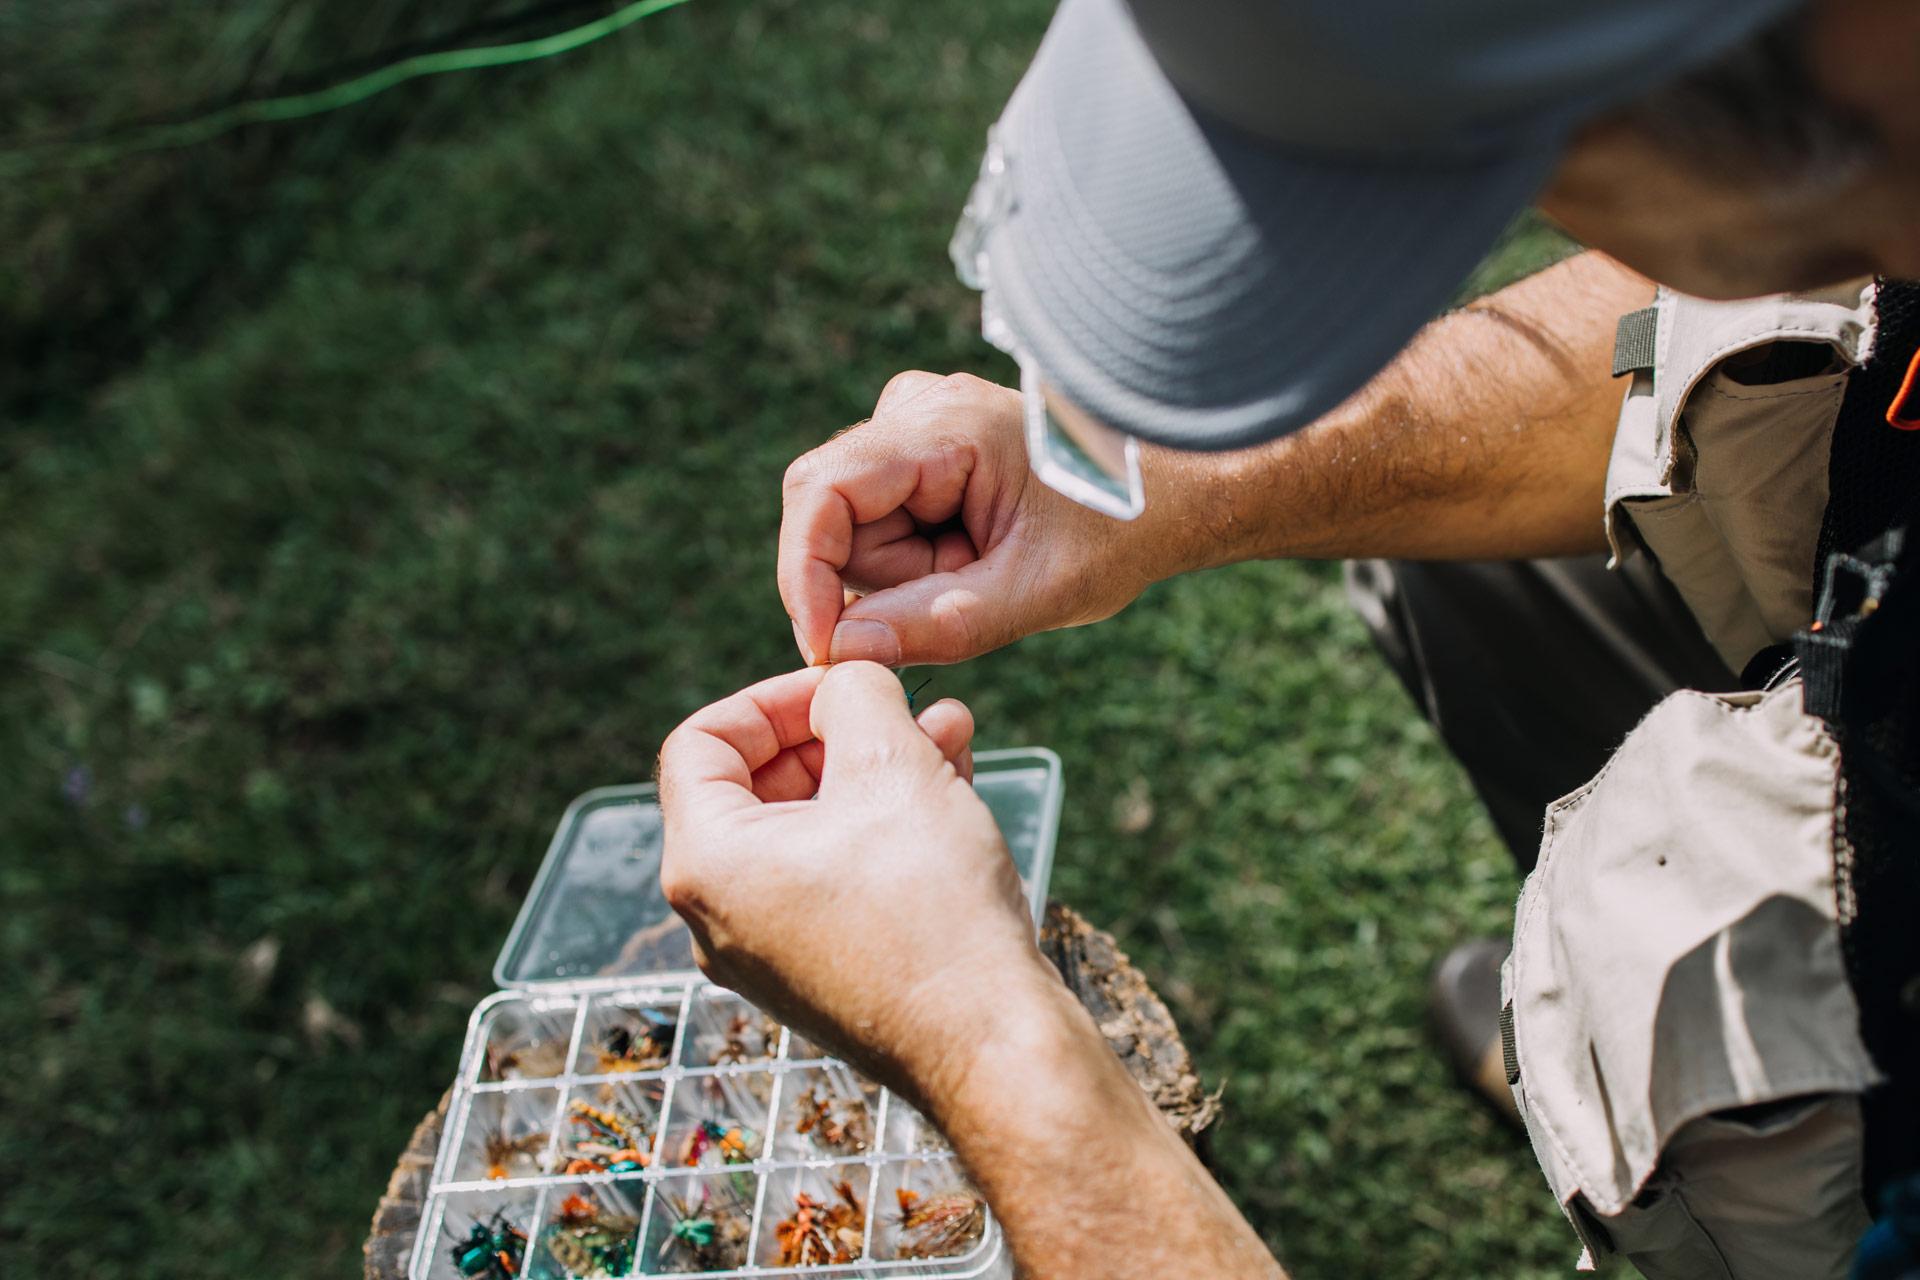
pixel 297 106
pixel 915 692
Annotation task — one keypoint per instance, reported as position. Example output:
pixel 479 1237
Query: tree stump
pixel 1134 1020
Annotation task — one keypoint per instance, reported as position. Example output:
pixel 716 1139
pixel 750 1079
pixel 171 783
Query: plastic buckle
pixel 1873 568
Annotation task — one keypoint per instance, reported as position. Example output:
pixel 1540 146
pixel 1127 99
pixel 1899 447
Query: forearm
pixel 1086 1177
pixel 1487 438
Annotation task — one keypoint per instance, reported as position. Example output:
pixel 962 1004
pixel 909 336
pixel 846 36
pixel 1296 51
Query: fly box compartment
pixel 617 1115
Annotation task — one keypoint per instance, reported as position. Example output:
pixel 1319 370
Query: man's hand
pixel 930 511
pixel 883 917
pixel 837 869
pixel 1487 439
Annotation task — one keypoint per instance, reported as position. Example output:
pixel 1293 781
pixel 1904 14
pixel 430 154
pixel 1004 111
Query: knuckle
pixel 983 410
pixel 958 387
pixel 671 749
pixel 802 471
pixel 879 757
pixel 962 381
pixel 906 383
pixel 841 459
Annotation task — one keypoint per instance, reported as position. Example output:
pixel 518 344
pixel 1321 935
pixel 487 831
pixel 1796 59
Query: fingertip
pixel 813 757
pixel 953 550
pixel 864 675
pixel 814 621
pixel 787 776
pixel 816 529
pixel 863 640
pixel 950 707
pixel 949 724
pixel 806 650
pixel 844 685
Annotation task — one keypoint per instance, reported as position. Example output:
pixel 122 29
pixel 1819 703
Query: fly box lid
pixel 595 914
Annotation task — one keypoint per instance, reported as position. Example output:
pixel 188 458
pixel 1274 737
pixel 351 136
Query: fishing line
pixel 298 106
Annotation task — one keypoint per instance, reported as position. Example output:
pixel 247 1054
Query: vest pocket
pixel 1675 965
pixel 1719 462
pixel 1780 1191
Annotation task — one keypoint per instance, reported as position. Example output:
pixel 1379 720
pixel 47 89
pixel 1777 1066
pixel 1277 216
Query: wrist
pixel 1204 510
pixel 961 1019
pixel 1039 1060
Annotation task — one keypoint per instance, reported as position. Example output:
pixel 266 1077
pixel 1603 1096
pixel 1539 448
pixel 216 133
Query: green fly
pixel 915 691
pixel 493 1249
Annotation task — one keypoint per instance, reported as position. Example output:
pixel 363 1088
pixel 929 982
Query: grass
pixel 452 490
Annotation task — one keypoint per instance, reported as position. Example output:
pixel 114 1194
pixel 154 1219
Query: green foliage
pixel 456 494
pixel 103 262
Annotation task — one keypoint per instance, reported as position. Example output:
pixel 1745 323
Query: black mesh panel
pixel 1874 478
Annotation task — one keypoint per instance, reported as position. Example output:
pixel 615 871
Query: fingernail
pixel 863 640
pixel 806 650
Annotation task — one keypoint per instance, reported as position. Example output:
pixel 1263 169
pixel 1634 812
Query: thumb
pixel 943 617
pixel 860 714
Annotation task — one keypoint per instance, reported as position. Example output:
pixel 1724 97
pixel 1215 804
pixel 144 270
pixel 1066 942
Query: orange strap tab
pixel 1904 412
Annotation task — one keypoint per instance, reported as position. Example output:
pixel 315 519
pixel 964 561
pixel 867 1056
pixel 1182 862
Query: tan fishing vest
pixel 1684 1046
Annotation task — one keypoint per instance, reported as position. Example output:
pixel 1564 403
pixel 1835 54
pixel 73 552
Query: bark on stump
pixel 1134 1020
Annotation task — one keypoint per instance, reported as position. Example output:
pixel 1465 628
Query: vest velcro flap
pixel 1676 953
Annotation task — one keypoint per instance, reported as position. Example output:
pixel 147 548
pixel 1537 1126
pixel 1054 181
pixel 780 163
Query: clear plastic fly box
pixel 617 1115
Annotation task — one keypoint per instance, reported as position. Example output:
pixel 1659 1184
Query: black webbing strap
pixel 1860 661
pixel 1873 471
pixel 1853 589
pixel 1509 1052
pixel 1634 340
